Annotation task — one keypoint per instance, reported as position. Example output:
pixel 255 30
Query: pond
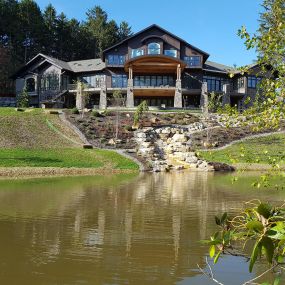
pixel 122 229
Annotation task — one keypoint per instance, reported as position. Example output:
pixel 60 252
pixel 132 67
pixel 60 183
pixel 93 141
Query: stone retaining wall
pixel 167 148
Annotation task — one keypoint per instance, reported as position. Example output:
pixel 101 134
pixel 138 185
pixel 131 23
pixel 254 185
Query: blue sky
pixel 210 25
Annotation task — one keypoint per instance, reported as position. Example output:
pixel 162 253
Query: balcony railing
pixel 73 87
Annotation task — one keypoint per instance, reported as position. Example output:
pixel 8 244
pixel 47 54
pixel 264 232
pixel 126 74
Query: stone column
pixel 103 94
pixel 204 100
pixel 226 94
pixel 79 96
pixel 178 90
pixel 130 90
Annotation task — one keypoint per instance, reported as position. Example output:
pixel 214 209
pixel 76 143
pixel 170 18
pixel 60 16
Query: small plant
pixel 142 107
pixel 75 111
pixel 95 113
pixel 215 102
pixel 23 99
pixel 129 128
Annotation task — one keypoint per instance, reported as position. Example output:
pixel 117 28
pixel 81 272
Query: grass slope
pixel 27 140
pixel 261 150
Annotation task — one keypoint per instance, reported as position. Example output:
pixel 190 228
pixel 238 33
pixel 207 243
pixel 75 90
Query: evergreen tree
pixel 124 31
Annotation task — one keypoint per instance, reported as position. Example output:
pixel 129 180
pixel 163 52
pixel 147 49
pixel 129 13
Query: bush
pixel 129 128
pixel 95 113
pixel 23 99
pixel 75 111
pixel 142 107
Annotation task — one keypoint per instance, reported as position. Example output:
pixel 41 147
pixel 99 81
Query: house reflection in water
pixel 144 231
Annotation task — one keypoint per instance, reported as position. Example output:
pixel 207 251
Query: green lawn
pixel 263 150
pixel 69 157
pixel 28 140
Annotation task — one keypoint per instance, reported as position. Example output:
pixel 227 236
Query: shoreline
pixel 38 172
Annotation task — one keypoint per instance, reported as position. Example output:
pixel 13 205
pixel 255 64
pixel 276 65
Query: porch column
pixel 178 89
pixel 103 94
pixel 130 90
pixel 204 100
pixel 226 94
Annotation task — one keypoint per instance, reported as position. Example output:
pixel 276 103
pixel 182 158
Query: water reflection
pixel 115 230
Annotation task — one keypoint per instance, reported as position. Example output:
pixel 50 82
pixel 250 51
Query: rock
pixel 191 159
pixel 179 138
pixel 87 146
pixel 179 167
pixel 221 166
pixel 154 120
pixel 111 142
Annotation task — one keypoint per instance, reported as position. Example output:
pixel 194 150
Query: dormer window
pixel 153 48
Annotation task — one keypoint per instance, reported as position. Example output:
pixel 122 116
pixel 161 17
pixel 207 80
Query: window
pixel 171 52
pixel 153 80
pixel 253 81
pixel 30 85
pixel 240 82
pixel 116 59
pixel 92 81
pixel 50 81
pixel 193 60
pixel 119 81
pixel 214 83
pixel 153 48
pixel 137 52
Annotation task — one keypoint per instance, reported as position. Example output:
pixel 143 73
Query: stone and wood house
pixel 153 65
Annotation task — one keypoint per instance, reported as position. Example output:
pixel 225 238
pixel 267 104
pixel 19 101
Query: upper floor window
pixel 30 85
pixel 114 59
pixel 194 60
pixel 119 81
pixel 171 52
pixel 252 81
pixel 137 52
pixel 153 48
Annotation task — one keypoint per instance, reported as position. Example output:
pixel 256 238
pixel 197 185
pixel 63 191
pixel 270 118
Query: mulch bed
pixel 101 129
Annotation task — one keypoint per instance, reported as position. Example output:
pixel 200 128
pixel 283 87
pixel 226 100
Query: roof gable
pixel 164 31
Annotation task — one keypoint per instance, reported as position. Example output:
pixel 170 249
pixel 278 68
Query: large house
pixel 153 65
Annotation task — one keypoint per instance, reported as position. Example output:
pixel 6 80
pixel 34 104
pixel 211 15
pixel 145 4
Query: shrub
pixel 23 99
pixel 129 128
pixel 75 111
pixel 142 107
pixel 95 113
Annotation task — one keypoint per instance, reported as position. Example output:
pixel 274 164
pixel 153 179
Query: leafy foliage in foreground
pixel 260 226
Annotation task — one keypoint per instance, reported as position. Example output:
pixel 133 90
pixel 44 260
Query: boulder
pixel 221 166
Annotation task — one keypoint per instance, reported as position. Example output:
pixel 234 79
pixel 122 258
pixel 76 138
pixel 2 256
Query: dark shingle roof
pixel 217 67
pixel 86 65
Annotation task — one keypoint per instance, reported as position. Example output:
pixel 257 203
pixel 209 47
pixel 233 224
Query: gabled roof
pixel 217 67
pixel 59 63
pixel 77 66
pixel 163 30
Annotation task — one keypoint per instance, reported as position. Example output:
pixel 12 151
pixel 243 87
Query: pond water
pixel 122 229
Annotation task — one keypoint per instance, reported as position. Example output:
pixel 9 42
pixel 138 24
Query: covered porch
pixel 155 78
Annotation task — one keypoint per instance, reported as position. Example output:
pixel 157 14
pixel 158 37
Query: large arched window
pixel 153 48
